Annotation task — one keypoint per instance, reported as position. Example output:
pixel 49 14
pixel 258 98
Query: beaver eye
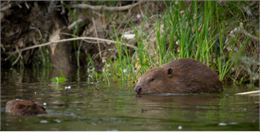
pixel 151 79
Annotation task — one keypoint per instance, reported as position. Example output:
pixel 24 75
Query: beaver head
pixel 179 76
pixel 157 80
pixel 24 107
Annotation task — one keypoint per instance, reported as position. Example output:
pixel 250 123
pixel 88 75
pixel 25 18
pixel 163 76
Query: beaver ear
pixel 170 72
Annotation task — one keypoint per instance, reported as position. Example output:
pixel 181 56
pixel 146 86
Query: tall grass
pixel 183 32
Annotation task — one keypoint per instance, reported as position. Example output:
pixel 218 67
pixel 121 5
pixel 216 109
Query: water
pixel 88 106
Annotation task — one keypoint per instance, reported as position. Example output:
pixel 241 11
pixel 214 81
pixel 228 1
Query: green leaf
pixel 58 80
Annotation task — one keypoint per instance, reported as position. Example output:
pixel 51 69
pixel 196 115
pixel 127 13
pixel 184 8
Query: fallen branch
pixel 67 40
pixel 249 92
pixel 106 8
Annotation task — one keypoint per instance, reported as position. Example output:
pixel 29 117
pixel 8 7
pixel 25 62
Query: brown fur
pixel 24 107
pixel 179 76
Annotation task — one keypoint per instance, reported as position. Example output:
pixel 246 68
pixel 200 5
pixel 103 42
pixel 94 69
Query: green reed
pixel 182 32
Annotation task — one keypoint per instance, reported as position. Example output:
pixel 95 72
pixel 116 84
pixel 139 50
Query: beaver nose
pixel 138 89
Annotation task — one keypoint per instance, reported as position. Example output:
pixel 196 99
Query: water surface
pixel 99 106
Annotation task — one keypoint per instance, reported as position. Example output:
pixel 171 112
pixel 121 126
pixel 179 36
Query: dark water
pixel 98 106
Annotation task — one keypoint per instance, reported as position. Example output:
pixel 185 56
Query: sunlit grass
pixel 183 32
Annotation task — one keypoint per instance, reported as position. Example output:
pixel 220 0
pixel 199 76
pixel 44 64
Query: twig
pixel 18 57
pixel 70 39
pixel 36 29
pixel 75 23
pixel 75 36
pixel 106 8
pixel 96 34
pixel 249 92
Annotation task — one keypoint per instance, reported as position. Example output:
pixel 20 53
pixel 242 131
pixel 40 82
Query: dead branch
pixel 67 40
pixel 75 36
pixel 106 8
pixel 75 23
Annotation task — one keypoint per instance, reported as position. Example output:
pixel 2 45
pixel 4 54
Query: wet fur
pixel 180 76
pixel 24 107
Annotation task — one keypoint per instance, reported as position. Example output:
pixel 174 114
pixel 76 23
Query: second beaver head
pixel 24 107
pixel 179 76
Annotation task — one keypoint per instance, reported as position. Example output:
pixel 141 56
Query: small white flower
pixel 177 42
pixel 57 120
pixel 138 16
pixel 222 124
pixel 124 70
pixel 43 121
pixel 179 127
pixel 67 87
pixel 44 103
pixel 128 36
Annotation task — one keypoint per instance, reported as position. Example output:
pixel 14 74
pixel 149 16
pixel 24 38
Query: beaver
pixel 24 107
pixel 179 76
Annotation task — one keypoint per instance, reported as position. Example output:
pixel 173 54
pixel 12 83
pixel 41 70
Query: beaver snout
pixel 138 89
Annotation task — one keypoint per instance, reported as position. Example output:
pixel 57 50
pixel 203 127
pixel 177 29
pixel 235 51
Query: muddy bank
pixel 26 24
pixel 67 35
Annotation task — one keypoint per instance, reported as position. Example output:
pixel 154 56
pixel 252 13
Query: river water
pixel 99 106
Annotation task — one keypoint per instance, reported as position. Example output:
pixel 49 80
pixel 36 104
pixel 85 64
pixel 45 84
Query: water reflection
pixel 88 106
